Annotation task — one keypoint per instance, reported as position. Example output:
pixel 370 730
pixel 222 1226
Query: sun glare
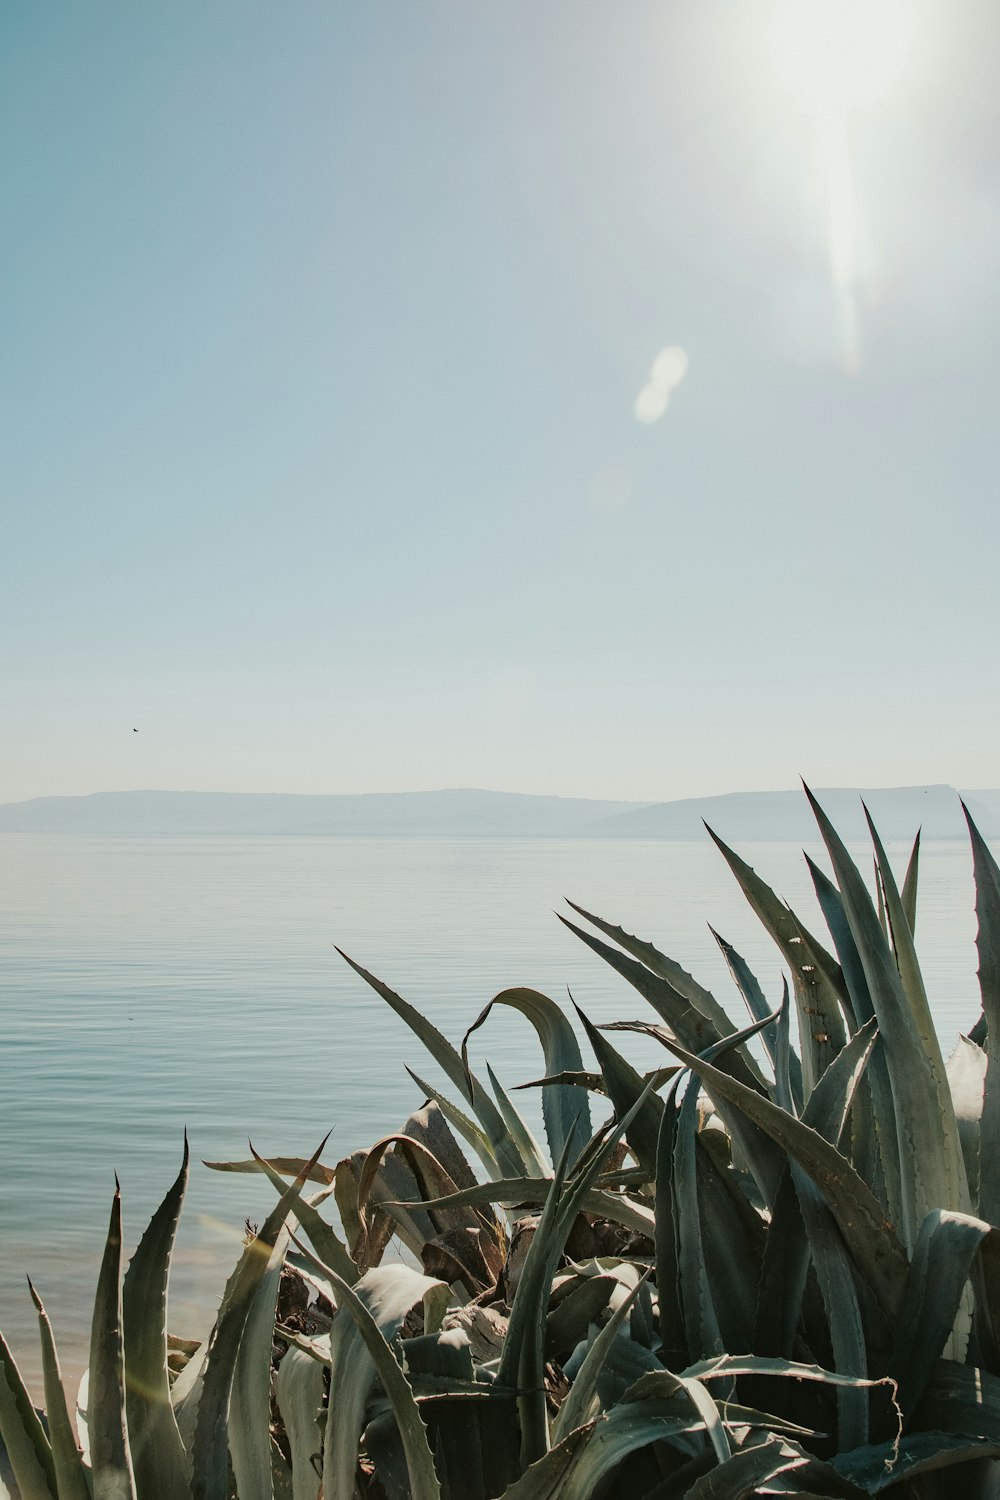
pixel 842 54
pixel 837 59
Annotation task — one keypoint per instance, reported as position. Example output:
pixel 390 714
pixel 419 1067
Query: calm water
pixel 149 984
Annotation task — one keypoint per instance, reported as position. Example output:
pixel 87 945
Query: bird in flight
pixel 135 731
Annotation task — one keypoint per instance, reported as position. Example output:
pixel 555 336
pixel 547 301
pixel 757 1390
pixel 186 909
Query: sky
pixel 571 398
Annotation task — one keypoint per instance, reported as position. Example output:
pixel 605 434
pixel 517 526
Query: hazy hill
pixel 745 817
pixel 989 801
pixel 755 816
pixel 427 814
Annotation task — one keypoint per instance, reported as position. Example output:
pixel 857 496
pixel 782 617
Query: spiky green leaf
pixel 565 1108
pixel 67 1459
pixel 110 1457
pixel 23 1435
pixel 158 1456
pixel 210 1450
pixel 298 1391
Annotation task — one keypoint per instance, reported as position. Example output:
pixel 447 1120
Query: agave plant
pixel 772 1270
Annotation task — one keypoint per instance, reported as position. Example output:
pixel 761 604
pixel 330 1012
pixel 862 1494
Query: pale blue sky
pixel 323 328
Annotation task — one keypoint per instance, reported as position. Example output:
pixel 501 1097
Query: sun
pixel 842 55
pixel 838 60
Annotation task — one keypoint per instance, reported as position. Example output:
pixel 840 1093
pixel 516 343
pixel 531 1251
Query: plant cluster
pixel 774 1270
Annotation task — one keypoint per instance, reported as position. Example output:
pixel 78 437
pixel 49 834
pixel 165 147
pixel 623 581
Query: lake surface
pixel 151 984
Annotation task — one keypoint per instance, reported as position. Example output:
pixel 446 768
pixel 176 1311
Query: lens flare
pixel 668 370
pixel 838 59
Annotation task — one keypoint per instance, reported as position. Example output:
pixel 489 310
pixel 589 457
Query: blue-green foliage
pixel 773 1270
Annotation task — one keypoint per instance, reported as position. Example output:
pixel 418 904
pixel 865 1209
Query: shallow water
pixel 152 984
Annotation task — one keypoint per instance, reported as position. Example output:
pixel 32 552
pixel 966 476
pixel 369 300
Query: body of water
pixel 150 985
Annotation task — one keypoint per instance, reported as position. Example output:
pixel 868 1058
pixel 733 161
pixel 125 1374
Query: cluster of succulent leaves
pixel 772 1271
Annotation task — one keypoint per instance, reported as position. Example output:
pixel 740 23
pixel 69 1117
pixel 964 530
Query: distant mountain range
pixel 744 816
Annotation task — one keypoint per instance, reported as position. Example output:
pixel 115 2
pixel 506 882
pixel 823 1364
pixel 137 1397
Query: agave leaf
pixel 469 1237
pixel 832 906
pixel 678 980
pixel 473 1435
pixel 909 892
pixel 367 1235
pixel 366 1324
pixel 786 1094
pixel 431 1179
pixel 471 1425
pixel 299 1393
pixel 810 1221
pixel 624 1087
pixel 210 1454
pixel 940 1265
pixel 445 1356
pixel 184 1396
pixel 522 1362
pixel 286 1166
pixel 546 1479
pixel 664 1385
pixel 784 1268
pixel 701 1325
pixel 696 1029
pixel 932 1174
pixel 28 1447
pixel 316 1346
pixel 578 1077
pixel 578 1407
pixel 962 1399
pixel 322 1236
pixel 250 1401
pixel 467 1128
pixel 111 1460
pixel 871 1240
pixel 158 1456
pixel 430 1127
pixel 751 1146
pixel 847 1334
pixel 826 1112
pixel 683 1021
pixel 732 1366
pixel 626 1361
pixel 884 1168
pixel 66 1456
pixel 617 1207
pixel 734 1236
pixel 528 1148
pixel 565 1108
pixel 988 944
pixel 479 1237
pixel 749 987
pixel 820 993
pixel 627 1428
pixel 576 1467
pixel 916 994
pixel 395 1191
pixel 577 1307
pixel 831 1099
pixel 775 1466
pixel 880 1468
pixel 673 1341
pixel 449 1060
pixel 880 901
pixel 900 933
pixel 966 1074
